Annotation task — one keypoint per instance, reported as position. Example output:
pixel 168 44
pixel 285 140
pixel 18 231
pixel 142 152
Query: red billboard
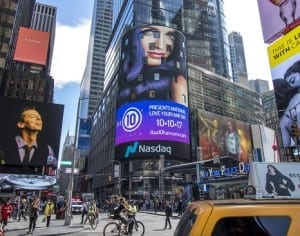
pixel 278 17
pixel 32 46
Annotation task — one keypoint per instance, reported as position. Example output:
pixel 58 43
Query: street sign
pixel 67 163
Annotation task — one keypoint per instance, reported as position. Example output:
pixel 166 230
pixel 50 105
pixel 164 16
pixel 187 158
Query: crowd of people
pixel 29 209
pixel 26 208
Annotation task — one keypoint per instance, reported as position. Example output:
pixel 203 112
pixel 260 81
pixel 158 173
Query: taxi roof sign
pixel 280 180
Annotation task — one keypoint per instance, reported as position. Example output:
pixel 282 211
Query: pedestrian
pixel 131 212
pixel 179 207
pixel 168 212
pixel 22 209
pixel 6 210
pixel 84 211
pixel 33 215
pixel 49 210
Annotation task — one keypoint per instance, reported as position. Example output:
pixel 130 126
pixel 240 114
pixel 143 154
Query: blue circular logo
pixel 131 119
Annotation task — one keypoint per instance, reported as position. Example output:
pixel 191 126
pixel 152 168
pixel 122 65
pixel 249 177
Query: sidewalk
pixel 56 227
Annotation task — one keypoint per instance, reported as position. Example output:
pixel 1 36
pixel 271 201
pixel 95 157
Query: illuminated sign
pixel 223 140
pixel 43 121
pixel 224 171
pixel 152 106
pixel 84 134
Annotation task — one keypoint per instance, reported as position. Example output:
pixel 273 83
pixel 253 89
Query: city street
pixel 154 224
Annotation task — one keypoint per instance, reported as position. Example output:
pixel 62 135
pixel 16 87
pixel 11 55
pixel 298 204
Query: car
pixel 77 206
pixel 263 212
pixel 240 217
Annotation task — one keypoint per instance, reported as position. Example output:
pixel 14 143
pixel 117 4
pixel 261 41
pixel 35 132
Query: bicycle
pixel 93 221
pixel 119 228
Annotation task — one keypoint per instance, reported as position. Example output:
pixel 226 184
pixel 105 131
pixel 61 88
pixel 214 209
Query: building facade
pixel 92 84
pixel 209 86
pixel 144 177
pixel 23 79
pixel 259 85
pixel 13 14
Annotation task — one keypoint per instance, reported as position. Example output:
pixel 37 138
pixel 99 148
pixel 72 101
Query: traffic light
pixel 295 130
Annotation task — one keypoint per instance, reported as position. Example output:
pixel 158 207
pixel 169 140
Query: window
pixel 156 34
pixel 186 223
pixel 151 46
pixel 156 76
pixel 145 60
pixel 169 48
pixel 152 93
pixel 252 225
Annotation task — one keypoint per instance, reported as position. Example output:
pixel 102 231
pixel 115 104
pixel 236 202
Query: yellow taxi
pixel 272 207
pixel 240 217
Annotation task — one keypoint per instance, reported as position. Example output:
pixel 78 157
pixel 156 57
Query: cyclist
pixel 131 212
pixel 120 209
pixel 92 211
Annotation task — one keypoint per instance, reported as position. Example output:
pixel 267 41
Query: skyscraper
pixel 24 78
pixel 92 84
pixel 44 19
pixel 238 61
pixel 202 25
pixel 259 85
pixel 13 14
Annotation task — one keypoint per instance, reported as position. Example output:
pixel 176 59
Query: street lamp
pixel 68 215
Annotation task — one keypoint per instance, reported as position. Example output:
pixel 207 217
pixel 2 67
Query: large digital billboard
pixel 223 140
pixel 278 17
pixel 152 105
pixel 284 58
pixel 29 142
pixel 32 46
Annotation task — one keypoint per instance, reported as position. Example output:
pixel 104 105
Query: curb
pixel 158 213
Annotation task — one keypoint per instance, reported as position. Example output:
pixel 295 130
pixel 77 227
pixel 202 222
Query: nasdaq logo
pixel 132 149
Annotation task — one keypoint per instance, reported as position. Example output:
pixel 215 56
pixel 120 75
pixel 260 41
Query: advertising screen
pixel 284 58
pixel 224 140
pixel 152 106
pixel 29 141
pixel 84 134
pixel 32 46
pixel 278 17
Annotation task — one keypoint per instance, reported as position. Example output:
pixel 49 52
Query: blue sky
pixel 71 43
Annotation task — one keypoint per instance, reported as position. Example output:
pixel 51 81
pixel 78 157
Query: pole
pixel 68 215
pixel 117 174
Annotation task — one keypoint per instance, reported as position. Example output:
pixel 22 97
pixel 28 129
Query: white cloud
pixel 70 52
pixel 243 17
pixel 71 44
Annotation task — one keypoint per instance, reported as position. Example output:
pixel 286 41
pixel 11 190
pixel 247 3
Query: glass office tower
pixel 203 25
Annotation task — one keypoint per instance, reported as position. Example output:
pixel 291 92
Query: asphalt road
pixel 154 224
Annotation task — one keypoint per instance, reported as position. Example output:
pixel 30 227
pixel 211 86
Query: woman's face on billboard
pixel 158 43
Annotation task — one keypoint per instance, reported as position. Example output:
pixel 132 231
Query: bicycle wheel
pixel 111 229
pixel 93 223
pixel 138 228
